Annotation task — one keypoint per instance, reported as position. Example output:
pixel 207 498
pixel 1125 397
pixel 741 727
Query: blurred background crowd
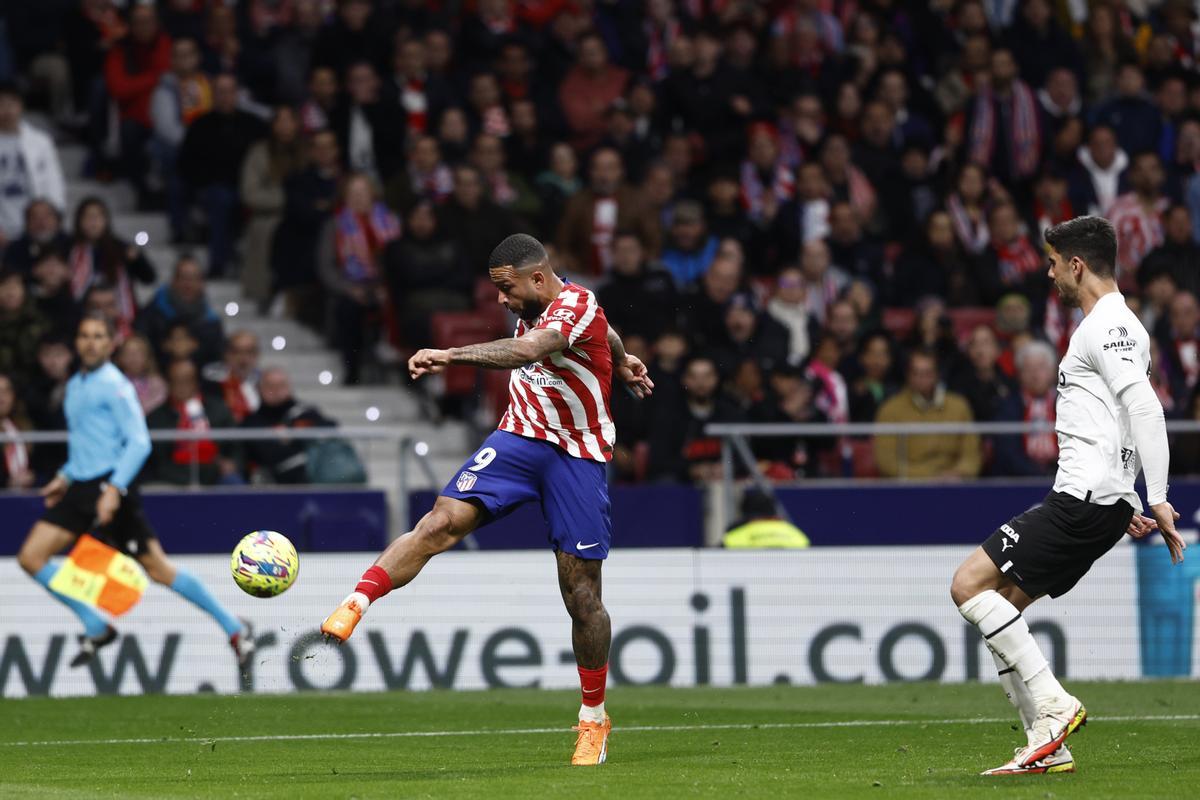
pixel 793 211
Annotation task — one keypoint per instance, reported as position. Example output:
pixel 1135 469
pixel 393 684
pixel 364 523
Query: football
pixel 264 564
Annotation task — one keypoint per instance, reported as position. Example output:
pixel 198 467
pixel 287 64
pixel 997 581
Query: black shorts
pixel 1049 548
pixel 129 530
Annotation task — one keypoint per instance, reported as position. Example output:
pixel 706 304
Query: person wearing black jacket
pixel 370 129
pixel 639 296
pixel 426 273
pixel 43 233
pixel 473 220
pixel 679 448
pixel 210 161
pixel 284 460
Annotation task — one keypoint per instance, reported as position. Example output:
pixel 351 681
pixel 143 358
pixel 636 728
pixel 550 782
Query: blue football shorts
pixel 509 470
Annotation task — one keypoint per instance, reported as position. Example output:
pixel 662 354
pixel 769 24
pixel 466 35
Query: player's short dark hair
pixel 98 316
pixel 517 251
pixel 1091 239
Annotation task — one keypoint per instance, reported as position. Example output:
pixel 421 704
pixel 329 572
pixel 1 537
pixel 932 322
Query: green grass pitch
pixel 900 741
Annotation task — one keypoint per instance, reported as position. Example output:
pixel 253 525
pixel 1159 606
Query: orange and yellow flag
pixel 100 576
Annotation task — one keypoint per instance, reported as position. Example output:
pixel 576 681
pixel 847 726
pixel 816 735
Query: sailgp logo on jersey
pixel 1121 332
pixel 533 375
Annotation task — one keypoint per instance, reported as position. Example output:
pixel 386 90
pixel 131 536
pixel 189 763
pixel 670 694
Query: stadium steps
pixel 302 352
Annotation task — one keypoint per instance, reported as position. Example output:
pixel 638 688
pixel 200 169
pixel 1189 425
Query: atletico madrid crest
pixel 466 481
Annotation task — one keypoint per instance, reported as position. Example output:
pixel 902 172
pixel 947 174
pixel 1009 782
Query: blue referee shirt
pixel 106 430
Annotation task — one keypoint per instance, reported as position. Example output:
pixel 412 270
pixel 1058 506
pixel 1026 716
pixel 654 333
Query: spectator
pixel 749 334
pixel 767 180
pixel 1131 115
pixel 849 247
pixel 136 359
pixel 1051 201
pixel 506 188
pixel 51 292
pixel 43 398
pixel 638 296
pixel 268 165
pixel 426 274
pixel 183 95
pixel 704 303
pixel 710 98
pixel 235 376
pixel 352 35
pixel 16 469
pixel 1039 44
pixel 472 220
pixel 1059 100
pixel 184 301
pixel 292 51
pixel 309 196
pixel 421 94
pixel 791 399
pixel 689 249
pixel 1034 453
pixel 283 460
pixel 848 185
pixel 588 89
pixel 210 161
pixel 369 129
pixel 789 308
pixel 1180 347
pixel 594 214
pixel 923 399
pixel 1178 255
pixel 1095 184
pixel 425 178
pixel 557 184
pixel 761 527
pixel 874 383
pixel 485 111
pixel 350 265
pixel 132 70
pixel 968 206
pixel 319 108
pixel 936 265
pixel 1137 217
pixel 823 282
pixel 98 256
pixel 21 327
pixel 188 462
pixel 1105 46
pixel 42 233
pixel 1011 263
pixel 679 448
pixel 980 378
pixel 726 217
pixel 29 167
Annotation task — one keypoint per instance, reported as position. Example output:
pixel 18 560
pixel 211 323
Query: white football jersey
pixel 1109 351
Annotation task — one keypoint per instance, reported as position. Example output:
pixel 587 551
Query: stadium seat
pixel 968 319
pixel 458 329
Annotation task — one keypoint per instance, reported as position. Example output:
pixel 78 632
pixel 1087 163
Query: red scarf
pixel 82 261
pixel 412 98
pixel 1041 447
pixel 16 454
pixel 359 238
pixel 1026 143
pixel 192 418
pixel 1016 260
pixel 783 187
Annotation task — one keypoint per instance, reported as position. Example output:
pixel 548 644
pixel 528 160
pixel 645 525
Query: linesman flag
pixel 100 576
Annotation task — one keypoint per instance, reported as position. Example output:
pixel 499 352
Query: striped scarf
pixel 1042 446
pixel 658 43
pixel 1060 323
pixel 1026 144
pixel 973 236
pixel 862 193
pixel 82 261
pixel 358 245
pixel 16 454
pixel 783 187
pixel 415 105
pixel 1016 260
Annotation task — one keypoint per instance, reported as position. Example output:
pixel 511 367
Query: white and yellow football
pixel 264 564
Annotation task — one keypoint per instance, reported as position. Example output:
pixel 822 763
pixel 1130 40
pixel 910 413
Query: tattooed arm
pixel 500 354
pixel 629 369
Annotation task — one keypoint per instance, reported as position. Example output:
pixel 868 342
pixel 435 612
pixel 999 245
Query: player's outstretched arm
pixel 500 354
pixel 629 369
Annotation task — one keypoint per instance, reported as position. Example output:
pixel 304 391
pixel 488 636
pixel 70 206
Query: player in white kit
pixel 1110 425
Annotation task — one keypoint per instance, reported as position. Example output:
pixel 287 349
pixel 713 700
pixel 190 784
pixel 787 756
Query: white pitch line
pixel 301 737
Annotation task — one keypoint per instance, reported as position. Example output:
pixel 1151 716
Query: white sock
pixel 360 599
pixel 591 713
pixel 1017 692
pixel 1007 635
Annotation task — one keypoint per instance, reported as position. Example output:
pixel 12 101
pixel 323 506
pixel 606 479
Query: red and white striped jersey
pixel 564 398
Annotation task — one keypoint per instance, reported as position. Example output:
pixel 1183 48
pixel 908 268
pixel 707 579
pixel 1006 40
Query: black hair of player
pixel 1091 239
pixel 517 251
pixel 102 318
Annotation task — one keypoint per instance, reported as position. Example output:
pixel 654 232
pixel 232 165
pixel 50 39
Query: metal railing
pixel 407 448
pixel 735 445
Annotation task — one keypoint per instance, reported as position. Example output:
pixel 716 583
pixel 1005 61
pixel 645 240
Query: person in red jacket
pixel 132 70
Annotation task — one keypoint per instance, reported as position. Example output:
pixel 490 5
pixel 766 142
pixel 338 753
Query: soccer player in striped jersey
pixel 552 446
pixel 1110 426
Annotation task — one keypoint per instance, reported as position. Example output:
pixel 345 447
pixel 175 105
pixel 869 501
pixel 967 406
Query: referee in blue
pixel 107 444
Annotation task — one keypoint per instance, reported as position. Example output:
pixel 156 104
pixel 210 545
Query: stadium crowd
pixel 799 210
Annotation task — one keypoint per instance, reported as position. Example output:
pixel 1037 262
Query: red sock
pixel 374 583
pixel 591 683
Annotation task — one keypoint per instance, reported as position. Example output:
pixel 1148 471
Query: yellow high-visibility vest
pixel 766 534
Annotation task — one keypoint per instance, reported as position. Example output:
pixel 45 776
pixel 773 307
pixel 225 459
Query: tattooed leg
pixel 591 630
